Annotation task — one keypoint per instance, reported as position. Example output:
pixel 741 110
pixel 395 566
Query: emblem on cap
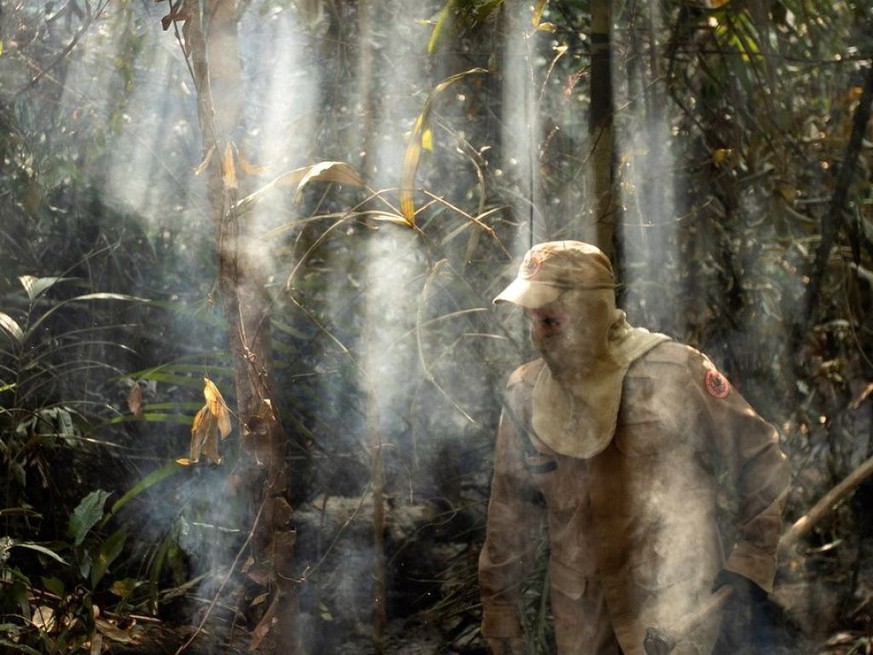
pixel 531 265
pixel 716 384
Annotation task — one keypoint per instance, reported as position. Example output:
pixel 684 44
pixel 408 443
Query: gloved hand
pixel 747 625
pixel 506 646
pixel 745 591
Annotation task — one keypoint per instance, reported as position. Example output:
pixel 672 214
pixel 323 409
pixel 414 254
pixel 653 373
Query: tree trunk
pixel 600 126
pixel 212 42
pixel 835 218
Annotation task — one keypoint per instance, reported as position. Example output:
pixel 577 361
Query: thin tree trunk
pixel 832 222
pixel 372 110
pixel 212 40
pixel 600 126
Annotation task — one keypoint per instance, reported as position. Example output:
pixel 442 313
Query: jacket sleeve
pixel 512 530
pixel 757 469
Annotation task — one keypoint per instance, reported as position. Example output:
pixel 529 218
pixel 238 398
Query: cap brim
pixel 528 294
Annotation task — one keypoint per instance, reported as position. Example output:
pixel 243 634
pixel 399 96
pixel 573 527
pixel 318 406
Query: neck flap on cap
pixel 581 421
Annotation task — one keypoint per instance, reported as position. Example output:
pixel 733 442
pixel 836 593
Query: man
pixel 617 438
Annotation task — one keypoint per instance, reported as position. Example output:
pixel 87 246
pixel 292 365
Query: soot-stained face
pixel 573 331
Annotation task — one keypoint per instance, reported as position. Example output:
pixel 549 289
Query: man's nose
pixel 543 329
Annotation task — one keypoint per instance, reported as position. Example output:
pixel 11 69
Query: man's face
pixel 573 331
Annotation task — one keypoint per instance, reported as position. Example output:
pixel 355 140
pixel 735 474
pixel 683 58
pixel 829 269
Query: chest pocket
pixel 653 418
pixel 538 464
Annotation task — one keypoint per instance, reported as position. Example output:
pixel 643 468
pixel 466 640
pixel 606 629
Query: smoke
pixel 647 172
pixel 401 346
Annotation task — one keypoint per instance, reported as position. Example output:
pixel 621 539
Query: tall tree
pixel 211 40
pixel 600 126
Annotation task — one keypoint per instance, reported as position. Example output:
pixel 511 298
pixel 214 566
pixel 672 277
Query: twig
pixel 224 582
pixel 827 502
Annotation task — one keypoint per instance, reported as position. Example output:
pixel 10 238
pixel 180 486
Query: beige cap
pixel 553 267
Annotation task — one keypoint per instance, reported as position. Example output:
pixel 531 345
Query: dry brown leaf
pixel 109 629
pixel 263 628
pixel 134 399
pixel 44 619
pixel 175 16
pixel 327 171
pixel 228 168
pixel 210 448
pixel 204 425
pixel 412 156
pixel 217 407
pixel 249 168
pixel 212 420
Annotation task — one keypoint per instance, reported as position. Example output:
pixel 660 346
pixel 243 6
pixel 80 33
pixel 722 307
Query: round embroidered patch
pixel 531 265
pixel 716 384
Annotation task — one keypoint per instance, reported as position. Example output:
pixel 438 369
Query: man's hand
pixel 506 646
pixel 748 620
pixel 745 590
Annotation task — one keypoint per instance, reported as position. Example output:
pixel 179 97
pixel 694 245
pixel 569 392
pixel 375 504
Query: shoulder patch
pixel 716 384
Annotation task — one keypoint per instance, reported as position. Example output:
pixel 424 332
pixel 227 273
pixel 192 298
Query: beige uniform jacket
pixel 632 531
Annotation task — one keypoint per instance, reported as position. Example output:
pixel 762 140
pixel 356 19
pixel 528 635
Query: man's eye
pixel 551 321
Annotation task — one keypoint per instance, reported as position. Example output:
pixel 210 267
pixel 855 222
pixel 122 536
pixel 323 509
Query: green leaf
pixel 11 327
pixel 108 553
pixel 18 648
pixel 54 585
pixel 65 423
pixel 445 17
pixel 85 565
pixel 153 478
pixel 110 296
pixel 124 588
pixel 36 286
pixel 86 515
pixel 40 549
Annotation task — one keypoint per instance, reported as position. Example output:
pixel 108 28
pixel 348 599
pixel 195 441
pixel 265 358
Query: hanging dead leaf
pixel 210 448
pixel 228 168
pixel 175 16
pixel 326 171
pixel 249 168
pixel 212 420
pixel 204 425
pixel 217 407
pixel 134 399
pixel 412 156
